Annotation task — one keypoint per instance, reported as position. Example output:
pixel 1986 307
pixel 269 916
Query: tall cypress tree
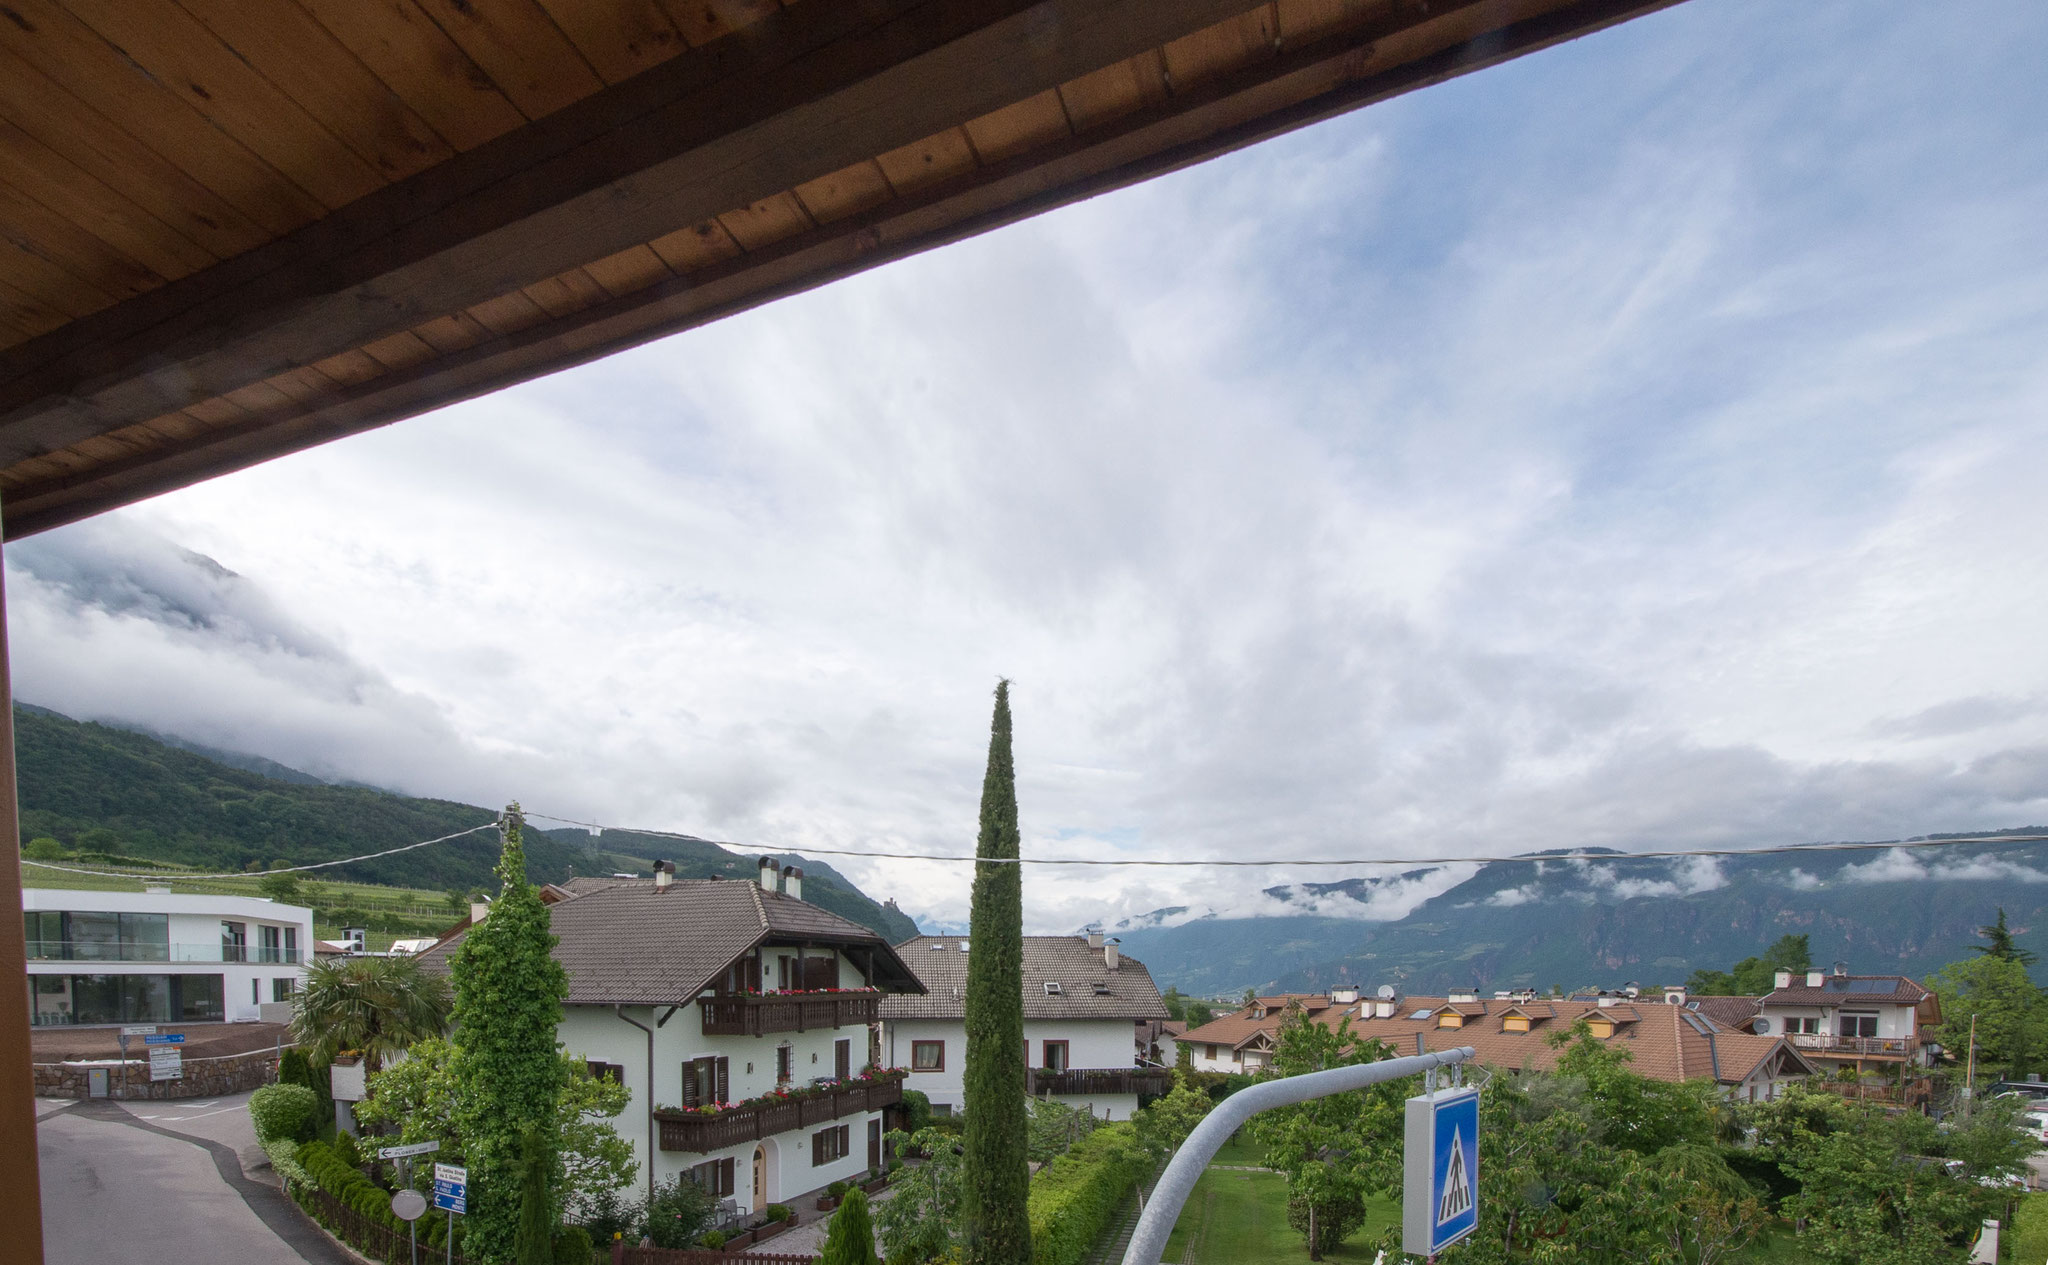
pixel 995 1175
pixel 508 1003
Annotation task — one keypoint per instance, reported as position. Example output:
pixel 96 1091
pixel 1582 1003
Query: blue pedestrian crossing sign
pixel 1440 1195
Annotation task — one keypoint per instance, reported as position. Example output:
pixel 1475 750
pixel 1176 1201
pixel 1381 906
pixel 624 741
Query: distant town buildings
pixel 1087 1012
pixel 159 957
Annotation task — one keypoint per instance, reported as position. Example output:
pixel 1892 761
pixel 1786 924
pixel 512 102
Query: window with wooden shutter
pixel 785 1064
pixel 828 1145
pixel 725 1186
pixel 842 1058
pixel 724 1087
pixel 705 1081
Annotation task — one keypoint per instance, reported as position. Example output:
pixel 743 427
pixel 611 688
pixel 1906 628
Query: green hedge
pixel 286 1112
pixel 2030 1229
pixel 326 1169
pixel 1074 1198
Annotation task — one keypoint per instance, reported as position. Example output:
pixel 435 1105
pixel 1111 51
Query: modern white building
pixel 1084 1005
pixel 159 957
pixel 738 1017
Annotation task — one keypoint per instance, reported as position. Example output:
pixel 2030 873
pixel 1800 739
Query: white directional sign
pixel 166 1063
pixel 1440 1203
pixel 139 1030
pixel 414 1148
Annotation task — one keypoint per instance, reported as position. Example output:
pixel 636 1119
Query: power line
pixel 1783 849
pixel 178 876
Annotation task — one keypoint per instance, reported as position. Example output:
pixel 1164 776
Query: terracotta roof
pixel 1667 1043
pixel 1729 1012
pixel 626 942
pixel 1839 990
pixel 1088 989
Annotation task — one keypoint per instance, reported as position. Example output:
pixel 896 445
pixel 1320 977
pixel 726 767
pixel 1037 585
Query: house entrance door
pixel 760 1179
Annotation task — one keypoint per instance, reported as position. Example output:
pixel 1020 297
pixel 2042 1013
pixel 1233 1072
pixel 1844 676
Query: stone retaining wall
pixel 204 1078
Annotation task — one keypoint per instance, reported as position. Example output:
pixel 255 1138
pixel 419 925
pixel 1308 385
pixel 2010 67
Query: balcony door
pixel 760 1179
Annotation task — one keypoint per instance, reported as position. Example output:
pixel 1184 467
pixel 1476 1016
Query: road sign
pixel 1441 1191
pixel 413 1148
pixel 164 1038
pixel 139 1030
pixel 167 1063
pixel 408 1205
pixel 451 1188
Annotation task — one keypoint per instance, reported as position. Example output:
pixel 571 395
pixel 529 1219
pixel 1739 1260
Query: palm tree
pixel 378 1006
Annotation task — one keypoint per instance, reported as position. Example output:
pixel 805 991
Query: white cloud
pixel 1800 881
pixel 1513 896
pixel 1897 865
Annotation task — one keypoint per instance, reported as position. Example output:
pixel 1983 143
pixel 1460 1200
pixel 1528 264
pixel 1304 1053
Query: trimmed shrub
pixel 714 1239
pixel 350 1150
pixel 283 1113
pixel 1074 1197
pixel 851 1240
pixel 836 1189
pixel 776 1212
pixel 572 1246
pixel 296 1069
pixel 284 1160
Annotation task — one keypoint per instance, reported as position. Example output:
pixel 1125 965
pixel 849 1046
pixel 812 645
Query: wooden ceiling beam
pixel 804 92
pixel 1302 85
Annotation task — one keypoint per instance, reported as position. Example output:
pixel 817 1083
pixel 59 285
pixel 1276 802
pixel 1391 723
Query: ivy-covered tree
pixel 534 1244
pixel 994 1219
pixel 508 1003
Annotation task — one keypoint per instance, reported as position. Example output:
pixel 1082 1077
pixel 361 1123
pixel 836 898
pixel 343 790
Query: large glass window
pixel 96 999
pixel 93 937
pixel 234 942
pixel 291 944
pixel 45 934
pixel 199 998
pixel 270 943
pixel 146 937
pixel 145 998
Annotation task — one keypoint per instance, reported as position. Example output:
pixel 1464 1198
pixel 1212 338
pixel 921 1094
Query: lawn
pixel 1240 1152
pixel 1235 1216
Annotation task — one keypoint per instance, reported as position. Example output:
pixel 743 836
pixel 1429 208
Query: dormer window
pixel 1101 989
pixel 1450 1019
pixel 1052 988
pixel 1258 1012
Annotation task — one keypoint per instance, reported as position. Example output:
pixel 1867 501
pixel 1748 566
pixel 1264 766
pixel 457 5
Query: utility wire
pixel 180 876
pixel 1783 849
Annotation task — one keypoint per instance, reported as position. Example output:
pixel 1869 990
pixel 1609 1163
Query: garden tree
pixel 1707 1213
pixel 534 1244
pixel 1167 1122
pixel 282 888
pixel 44 849
pixel 1176 1003
pixel 416 1099
pixel 1250 995
pixel 919 1217
pixel 1629 1111
pixel 851 1240
pixel 1199 1013
pixel 378 1006
pixel 994 1221
pixel 1325 1205
pixel 1334 1148
pixel 1055 1127
pixel 2001 945
pixel 1875 1188
pixel 677 1213
pixel 508 1002
pixel 2010 1010
pixel 1753 977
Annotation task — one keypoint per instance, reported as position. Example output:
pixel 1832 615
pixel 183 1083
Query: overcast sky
pixel 1641 443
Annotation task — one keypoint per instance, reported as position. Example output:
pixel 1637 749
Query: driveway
pixel 163 1182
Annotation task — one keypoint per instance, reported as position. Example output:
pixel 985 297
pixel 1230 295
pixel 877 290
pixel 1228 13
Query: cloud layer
pixel 1627 445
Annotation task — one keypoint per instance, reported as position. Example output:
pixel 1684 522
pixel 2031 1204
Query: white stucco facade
pixel 1090 1043
pixel 786 1161
pixel 151 957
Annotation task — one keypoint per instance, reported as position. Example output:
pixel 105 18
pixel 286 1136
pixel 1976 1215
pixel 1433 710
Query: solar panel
pixel 1420 1014
pixel 1871 986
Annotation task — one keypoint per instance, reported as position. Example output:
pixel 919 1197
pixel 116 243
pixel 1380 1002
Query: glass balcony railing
pixel 104 951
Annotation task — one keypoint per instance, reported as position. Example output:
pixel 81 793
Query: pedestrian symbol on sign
pixel 1457 1197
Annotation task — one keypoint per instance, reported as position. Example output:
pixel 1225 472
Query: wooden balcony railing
pixel 1877 1047
pixel 702 1132
pixel 751 1016
pixel 1099 1080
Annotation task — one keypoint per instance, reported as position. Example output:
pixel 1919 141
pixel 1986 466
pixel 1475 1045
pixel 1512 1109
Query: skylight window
pixel 1420 1014
pixel 1101 989
pixel 1052 988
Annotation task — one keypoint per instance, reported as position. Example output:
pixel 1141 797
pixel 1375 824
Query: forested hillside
pixel 111 793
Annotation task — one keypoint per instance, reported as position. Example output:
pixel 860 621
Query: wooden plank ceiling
pixel 230 229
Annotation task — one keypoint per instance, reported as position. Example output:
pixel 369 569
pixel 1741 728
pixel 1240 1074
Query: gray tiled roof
pixel 940 965
pixel 624 942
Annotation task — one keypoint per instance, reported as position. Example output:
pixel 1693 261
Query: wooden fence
pixel 623 1255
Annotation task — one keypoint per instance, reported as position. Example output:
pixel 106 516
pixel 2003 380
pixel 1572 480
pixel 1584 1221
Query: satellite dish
pixel 408 1205
pixel 1386 992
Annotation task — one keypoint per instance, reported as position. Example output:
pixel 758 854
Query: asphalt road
pixel 162 1183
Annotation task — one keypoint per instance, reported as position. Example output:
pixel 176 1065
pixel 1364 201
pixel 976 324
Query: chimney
pixel 477 910
pixel 664 874
pixel 1783 979
pixel 1343 995
pixel 793 881
pixel 1094 937
pixel 1109 954
pixel 1814 979
pixel 1606 1000
pixel 769 869
pixel 1674 994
